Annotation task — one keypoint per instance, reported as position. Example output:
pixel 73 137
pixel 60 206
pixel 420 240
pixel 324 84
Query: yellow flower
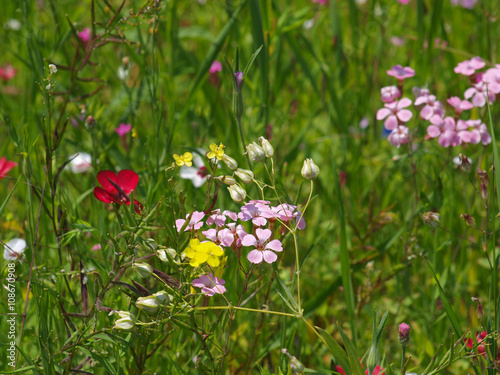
pixel 201 252
pixel 216 151
pixel 134 133
pixel 185 159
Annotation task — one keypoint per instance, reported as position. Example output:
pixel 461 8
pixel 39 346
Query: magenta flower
pixel 194 221
pixel 257 212
pixel 393 113
pixel 220 218
pixel 445 130
pixel 404 334
pixel 399 136
pixel 84 35
pixel 401 73
pixel 459 104
pixel 223 237
pixel 215 67
pixel 264 251
pixel 390 94
pixel 469 67
pixel 210 285
pixel 432 106
pixel 479 94
pixel 123 129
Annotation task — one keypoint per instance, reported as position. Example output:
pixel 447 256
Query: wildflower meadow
pixel 250 187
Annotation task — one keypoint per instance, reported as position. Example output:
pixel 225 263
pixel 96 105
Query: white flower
pixel 52 68
pixel 80 162
pixel 13 24
pixel 14 249
pixel 122 73
pixel 197 174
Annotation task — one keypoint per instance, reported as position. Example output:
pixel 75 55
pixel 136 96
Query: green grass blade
pixel 336 350
pixel 353 354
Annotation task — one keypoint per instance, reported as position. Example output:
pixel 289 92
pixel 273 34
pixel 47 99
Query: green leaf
pixel 352 353
pixel 336 350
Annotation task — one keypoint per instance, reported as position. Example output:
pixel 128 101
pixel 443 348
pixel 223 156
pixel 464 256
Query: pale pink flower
pixel 473 131
pixel 469 67
pixel 194 221
pixel 418 92
pixel 404 2
pixel 467 4
pixel 479 93
pixel 238 232
pixel 7 72
pixel 432 106
pixel 399 136
pixel 393 113
pixel 397 41
pixel 123 129
pixel 459 104
pixel 445 130
pixel 286 212
pixel 264 251
pixel 401 73
pixel 390 94
pixel 492 75
pixel 258 213
pixel 222 237
pixel 220 218
pixel 96 247
pixel 215 67
pixel 210 284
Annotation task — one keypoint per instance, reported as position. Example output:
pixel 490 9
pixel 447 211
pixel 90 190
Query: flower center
pixel 202 171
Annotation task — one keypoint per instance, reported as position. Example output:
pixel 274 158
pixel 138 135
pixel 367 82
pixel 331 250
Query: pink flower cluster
pixel 233 235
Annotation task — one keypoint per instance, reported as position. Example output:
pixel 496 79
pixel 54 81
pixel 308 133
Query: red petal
pixel 104 196
pixel 103 176
pixel 138 206
pixel 5 166
pixel 127 180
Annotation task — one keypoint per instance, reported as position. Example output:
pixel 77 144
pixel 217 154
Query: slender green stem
pixel 202 308
pixel 403 355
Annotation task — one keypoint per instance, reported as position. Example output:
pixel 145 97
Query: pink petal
pixel 405 115
pixel 433 131
pixel 263 234
pixel 479 100
pixel 391 122
pixel 426 112
pixel 270 257
pixel 274 245
pixel 382 113
pixel 255 256
pixel 249 240
pixel 403 103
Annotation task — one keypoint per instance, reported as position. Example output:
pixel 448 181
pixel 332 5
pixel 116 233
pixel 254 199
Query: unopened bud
pixel 404 334
pixel 295 365
pixel 238 81
pixel 469 220
pixel 163 297
pixel 126 321
pixel 143 269
pixel 238 194
pixel 230 162
pixel 255 152
pixel 244 175
pixel 479 310
pixel 309 171
pixel 147 304
pixel 268 148
pixel 228 180
pixel 431 219
pixel 162 254
pixel 464 162
pixel 484 191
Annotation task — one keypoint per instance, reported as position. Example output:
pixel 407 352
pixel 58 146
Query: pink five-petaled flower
pixel 238 232
pixel 123 129
pixel 116 188
pixel 459 104
pixel 469 67
pixel 215 67
pixel 220 218
pixel 257 212
pixel 264 251
pixel 393 113
pixel 432 106
pixel 445 130
pixel 5 166
pixel 210 284
pixel 222 237
pixel 401 73
pixel 286 212
pixel 389 94
pixel 399 136
pixel 194 221
pixel 473 131
pixel 481 91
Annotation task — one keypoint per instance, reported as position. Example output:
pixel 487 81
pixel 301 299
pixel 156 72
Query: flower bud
pixel 125 324
pixel 52 68
pixel 404 334
pixel 228 180
pixel 431 219
pixel 143 269
pixel 162 254
pixel 268 148
pixel 238 95
pixel 255 152
pixel 238 194
pixel 245 175
pixel 147 304
pixel 296 366
pixel 163 297
pixel 230 162
pixel 238 81
pixel 469 220
pixel 309 171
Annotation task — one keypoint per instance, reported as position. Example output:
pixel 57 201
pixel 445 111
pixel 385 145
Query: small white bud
pixel 147 304
pixel 309 171
pixel 245 175
pixel 143 269
pixel 52 68
pixel 268 149
pixel 255 152
pixel 230 162
pixel 238 194
pixel 162 254
pixel 163 297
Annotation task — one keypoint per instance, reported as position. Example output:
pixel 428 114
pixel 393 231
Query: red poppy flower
pixel 5 166
pixel 116 188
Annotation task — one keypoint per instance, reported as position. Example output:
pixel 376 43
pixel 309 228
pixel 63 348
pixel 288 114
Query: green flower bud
pixel 124 324
pixel 147 304
pixel 163 297
pixel 309 171
pixel 238 194
pixel 245 175
pixel 162 254
pixel 230 162
pixel 255 152
pixel 143 269
pixel 268 149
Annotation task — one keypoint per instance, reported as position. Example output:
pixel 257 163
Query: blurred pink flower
pixel 404 2
pixel 467 4
pixel 123 129
pixel 401 73
pixel 479 94
pixel 473 131
pixel 264 251
pixel 7 72
pixel 210 284
pixel 321 2
pixel 257 212
pixel 5 166
pixel 432 106
pixel 445 130
pixel 390 94
pixel 397 41
pixel 222 237
pixel 393 113
pixel 469 67
pixel 459 104
pixel 84 35
pixel 399 136
pixel 194 222
pixel 215 67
